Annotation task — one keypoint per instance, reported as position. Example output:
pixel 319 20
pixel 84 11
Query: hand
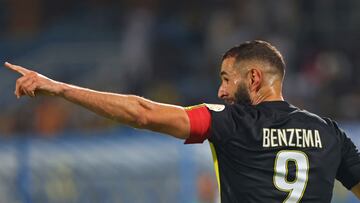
pixel 32 83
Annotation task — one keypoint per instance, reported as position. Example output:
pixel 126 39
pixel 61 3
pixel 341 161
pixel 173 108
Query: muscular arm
pixel 131 110
pixel 356 190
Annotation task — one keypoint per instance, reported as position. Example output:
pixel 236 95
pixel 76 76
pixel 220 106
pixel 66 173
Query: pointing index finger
pixel 18 69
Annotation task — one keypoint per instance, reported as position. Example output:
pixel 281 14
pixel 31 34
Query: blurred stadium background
pixel 168 51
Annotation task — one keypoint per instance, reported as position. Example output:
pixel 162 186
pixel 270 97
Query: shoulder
pixel 223 111
pixel 232 110
pixel 322 120
pixel 314 117
pixel 327 123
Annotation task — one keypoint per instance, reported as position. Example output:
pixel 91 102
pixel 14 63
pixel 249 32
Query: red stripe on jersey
pixel 200 122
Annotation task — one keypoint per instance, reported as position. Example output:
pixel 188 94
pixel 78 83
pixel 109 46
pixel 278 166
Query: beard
pixel 242 95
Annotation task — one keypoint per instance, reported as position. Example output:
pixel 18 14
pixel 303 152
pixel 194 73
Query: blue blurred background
pixel 167 51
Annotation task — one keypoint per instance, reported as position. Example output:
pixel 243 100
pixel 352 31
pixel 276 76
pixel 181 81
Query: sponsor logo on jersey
pixel 215 107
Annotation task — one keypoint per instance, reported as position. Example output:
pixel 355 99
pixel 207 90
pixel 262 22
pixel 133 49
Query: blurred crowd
pixel 170 51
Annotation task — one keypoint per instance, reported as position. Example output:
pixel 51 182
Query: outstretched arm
pixel 356 190
pixel 131 110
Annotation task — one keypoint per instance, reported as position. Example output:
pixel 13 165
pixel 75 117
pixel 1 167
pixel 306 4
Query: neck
pixel 268 93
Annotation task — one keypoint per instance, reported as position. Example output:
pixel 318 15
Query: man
pixel 264 149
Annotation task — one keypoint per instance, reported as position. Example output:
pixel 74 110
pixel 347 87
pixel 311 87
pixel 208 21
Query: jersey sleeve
pixel 214 122
pixel 222 123
pixel 200 122
pixel 349 170
pixel 208 121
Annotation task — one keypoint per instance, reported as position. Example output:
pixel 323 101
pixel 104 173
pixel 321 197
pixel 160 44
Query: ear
pixel 256 77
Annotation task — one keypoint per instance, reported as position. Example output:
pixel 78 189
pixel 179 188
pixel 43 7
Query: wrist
pixel 60 89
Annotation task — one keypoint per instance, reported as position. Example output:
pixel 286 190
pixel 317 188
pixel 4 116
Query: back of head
pixel 260 51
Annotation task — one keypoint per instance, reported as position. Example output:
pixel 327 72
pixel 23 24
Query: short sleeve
pixel 200 121
pixel 206 120
pixel 349 170
pixel 214 122
pixel 222 123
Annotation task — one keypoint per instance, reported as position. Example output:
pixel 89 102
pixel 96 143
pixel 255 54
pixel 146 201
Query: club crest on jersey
pixel 215 107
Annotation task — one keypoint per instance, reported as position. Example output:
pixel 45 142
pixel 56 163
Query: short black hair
pixel 257 50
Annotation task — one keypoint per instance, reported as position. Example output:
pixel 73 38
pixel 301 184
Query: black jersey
pixel 275 152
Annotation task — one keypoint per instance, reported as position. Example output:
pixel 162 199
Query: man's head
pixel 251 73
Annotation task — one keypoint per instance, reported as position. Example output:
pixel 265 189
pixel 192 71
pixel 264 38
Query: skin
pixel 261 83
pixel 258 78
pixel 131 110
pixel 141 113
